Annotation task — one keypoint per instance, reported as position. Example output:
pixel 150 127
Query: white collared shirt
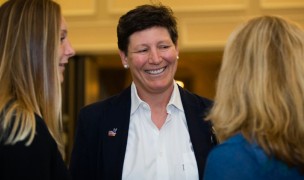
pixel 159 154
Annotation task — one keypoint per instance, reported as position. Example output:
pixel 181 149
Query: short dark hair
pixel 144 17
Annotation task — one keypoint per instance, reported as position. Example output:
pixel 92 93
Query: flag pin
pixel 113 132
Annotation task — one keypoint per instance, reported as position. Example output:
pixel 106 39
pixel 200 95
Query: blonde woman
pixel 259 106
pixel 33 51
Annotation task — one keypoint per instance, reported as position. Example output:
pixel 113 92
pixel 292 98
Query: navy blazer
pixel 41 160
pixel 96 155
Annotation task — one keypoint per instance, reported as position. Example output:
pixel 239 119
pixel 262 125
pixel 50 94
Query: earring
pixel 126 66
pixel 177 57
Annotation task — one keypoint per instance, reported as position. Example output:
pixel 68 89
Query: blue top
pixel 237 159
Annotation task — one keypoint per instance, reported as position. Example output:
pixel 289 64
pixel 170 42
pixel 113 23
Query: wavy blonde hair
pixel 29 75
pixel 260 90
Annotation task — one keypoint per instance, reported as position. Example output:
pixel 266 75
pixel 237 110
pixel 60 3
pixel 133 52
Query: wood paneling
pixel 121 6
pixel 282 4
pixel 97 37
pixel 206 33
pixel 203 24
pixel 78 7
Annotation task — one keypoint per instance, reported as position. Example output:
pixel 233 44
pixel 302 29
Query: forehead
pixel 150 34
pixel 63 23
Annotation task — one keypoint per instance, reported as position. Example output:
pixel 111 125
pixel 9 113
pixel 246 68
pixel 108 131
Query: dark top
pixel 40 160
pixel 238 159
pixel 98 155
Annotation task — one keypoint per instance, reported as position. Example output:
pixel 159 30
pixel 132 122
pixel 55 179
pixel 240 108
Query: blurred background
pixel 96 72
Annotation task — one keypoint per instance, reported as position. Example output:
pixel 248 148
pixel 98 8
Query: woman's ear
pixel 124 59
pixel 177 49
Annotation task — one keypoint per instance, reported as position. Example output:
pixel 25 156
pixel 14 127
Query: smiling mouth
pixel 156 71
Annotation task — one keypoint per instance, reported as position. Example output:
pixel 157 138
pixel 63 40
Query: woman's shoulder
pixel 230 160
pixel 40 129
pixel 41 155
pixel 42 138
pixel 229 149
pixel 123 97
pixel 238 158
pixel 194 101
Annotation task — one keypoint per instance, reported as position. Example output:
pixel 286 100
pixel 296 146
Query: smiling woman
pixel 159 127
pixel 32 55
pixel 65 51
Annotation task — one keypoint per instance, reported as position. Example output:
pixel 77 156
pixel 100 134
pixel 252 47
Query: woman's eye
pixel 62 38
pixel 164 47
pixel 142 50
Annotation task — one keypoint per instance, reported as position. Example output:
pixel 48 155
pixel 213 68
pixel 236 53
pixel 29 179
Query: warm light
pixel 180 83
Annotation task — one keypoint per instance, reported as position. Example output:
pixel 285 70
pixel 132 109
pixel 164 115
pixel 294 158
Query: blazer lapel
pixel 199 130
pixel 115 134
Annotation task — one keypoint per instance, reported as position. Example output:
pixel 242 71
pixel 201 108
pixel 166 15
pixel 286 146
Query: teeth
pixel 156 71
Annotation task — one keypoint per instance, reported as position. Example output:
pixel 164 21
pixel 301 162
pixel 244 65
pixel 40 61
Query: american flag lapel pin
pixel 113 132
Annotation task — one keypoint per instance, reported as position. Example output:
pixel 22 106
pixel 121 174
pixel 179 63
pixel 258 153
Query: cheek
pixel 60 52
pixel 171 56
pixel 137 62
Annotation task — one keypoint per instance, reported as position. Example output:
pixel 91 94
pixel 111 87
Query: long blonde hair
pixel 260 90
pixel 29 75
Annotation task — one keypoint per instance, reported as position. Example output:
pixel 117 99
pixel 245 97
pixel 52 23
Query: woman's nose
pixel 69 51
pixel 154 57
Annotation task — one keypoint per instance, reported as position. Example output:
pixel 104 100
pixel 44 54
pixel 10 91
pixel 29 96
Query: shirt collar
pixel 175 99
pixel 135 100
